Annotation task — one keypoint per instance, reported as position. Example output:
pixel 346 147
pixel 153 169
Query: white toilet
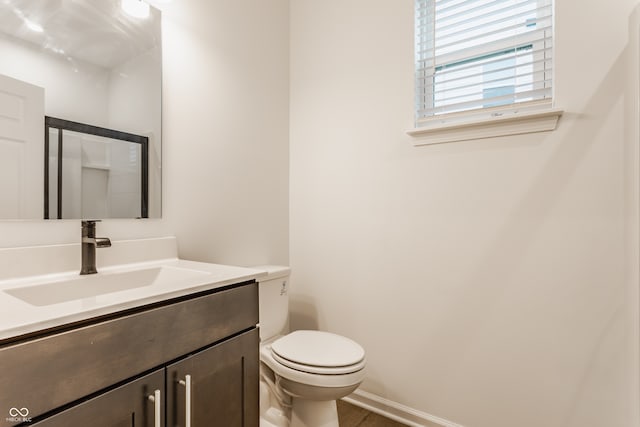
pixel 302 373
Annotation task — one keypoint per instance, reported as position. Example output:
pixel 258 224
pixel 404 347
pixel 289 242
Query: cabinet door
pixel 126 406
pixel 217 387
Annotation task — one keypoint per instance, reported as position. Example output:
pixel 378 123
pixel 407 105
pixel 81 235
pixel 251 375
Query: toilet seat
pixel 341 380
pixel 318 370
pixel 318 352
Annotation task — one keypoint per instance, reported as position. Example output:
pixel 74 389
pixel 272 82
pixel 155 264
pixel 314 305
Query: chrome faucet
pixel 89 244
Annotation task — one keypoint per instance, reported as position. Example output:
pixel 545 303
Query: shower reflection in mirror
pixel 94 172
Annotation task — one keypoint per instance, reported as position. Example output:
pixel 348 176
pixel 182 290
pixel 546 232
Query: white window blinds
pixel 481 55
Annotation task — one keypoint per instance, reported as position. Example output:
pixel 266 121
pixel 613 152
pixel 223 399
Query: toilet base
pixel 314 413
pixel 272 413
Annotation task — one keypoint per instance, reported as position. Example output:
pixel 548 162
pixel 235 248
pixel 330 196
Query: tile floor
pixel 354 416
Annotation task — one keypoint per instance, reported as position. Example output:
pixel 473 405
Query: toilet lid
pixel 317 348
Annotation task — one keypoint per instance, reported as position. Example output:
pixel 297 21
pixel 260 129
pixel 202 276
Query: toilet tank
pixel 273 300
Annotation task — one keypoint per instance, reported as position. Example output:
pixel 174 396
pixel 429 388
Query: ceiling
pixel 96 31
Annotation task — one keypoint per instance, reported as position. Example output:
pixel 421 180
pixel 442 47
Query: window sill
pixel 515 124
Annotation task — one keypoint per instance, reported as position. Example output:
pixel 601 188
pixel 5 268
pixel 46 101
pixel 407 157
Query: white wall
pixel 485 279
pixel 227 125
pixel 225 138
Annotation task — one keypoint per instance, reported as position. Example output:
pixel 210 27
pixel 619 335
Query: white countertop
pixel 19 317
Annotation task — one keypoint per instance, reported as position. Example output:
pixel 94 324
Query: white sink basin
pixel 81 287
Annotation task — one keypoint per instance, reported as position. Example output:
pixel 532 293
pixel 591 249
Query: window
pixel 482 58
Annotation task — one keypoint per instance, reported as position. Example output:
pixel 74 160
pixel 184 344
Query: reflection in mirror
pixel 84 61
pixel 94 172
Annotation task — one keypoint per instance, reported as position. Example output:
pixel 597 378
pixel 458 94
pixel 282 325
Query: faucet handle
pixel 102 242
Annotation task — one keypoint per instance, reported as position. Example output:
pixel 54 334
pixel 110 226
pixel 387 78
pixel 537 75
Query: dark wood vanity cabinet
pixel 125 406
pixel 188 362
pixel 223 382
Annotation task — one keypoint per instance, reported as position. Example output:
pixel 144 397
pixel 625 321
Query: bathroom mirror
pixel 91 63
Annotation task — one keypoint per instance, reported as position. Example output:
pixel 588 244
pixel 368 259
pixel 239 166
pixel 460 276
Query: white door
pixel 21 149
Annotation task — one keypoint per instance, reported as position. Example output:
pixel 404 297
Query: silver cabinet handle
pixel 187 404
pixel 155 398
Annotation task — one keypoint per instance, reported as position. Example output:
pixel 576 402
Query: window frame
pixel 537 115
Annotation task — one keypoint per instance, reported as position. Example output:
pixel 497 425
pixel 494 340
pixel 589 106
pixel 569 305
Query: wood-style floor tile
pixel 354 416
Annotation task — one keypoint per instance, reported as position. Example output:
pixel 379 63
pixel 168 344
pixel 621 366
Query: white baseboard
pixel 395 411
